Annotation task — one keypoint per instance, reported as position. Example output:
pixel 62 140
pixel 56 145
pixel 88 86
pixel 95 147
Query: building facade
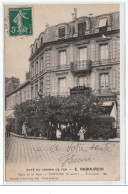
pixel 83 52
pixel 20 94
pixel 11 84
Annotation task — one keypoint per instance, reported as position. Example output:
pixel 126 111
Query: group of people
pixel 66 132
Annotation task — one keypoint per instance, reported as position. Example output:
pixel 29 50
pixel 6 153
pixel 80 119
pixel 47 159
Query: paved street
pixel 25 154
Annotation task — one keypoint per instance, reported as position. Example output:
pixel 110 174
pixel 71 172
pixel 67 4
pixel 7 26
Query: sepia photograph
pixel 62 93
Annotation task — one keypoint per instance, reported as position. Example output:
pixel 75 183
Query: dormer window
pixel 61 32
pixel 81 29
pixel 36 46
pixel 41 40
pixel 32 50
pixel 103 24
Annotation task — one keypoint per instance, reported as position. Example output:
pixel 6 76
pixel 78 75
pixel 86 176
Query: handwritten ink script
pixel 77 153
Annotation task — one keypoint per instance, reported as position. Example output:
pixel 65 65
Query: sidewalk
pixel 44 138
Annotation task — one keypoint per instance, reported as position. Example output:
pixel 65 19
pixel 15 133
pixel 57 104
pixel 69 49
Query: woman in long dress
pixel 24 129
pixel 81 133
pixel 58 132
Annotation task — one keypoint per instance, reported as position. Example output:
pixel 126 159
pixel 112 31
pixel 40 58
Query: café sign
pixel 80 90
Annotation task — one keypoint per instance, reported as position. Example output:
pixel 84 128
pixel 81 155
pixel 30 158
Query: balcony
pixel 60 67
pixel 108 61
pixel 62 94
pixel 105 91
pixel 81 66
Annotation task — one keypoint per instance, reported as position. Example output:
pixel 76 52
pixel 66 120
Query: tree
pixel 74 108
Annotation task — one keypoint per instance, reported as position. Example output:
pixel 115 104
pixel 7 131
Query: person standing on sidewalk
pixel 8 129
pixel 81 133
pixel 24 129
pixel 49 129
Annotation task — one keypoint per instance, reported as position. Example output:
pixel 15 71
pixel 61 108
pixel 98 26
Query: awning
pixel 114 113
pixel 111 109
pixel 9 114
pixel 102 22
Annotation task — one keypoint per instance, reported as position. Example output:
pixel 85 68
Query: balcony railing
pixel 107 61
pixel 104 91
pixel 60 67
pixel 81 66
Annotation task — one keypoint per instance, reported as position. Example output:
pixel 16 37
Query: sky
pixel 17 49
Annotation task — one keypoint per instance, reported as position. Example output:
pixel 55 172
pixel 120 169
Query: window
pixel 21 97
pixel 32 92
pixel 36 67
pixel 41 86
pixel 83 80
pixel 104 82
pixel 61 32
pixel 114 78
pixel 36 46
pixel 36 91
pixel 32 70
pixel 28 94
pixel 41 40
pixel 41 64
pixel 62 57
pixel 103 24
pixel 81 29
pixel 83 54
pixel 103 51
pixel 114 49
pixel 118 49
pixel 53 84
pixel 62 86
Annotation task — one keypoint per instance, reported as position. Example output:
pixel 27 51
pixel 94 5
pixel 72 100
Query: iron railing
pixel 81 65
pixel 104 91
pixel 107 61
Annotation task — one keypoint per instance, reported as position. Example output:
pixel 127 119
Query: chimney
pixel 91 15
pixel 75 13
pixel 47 25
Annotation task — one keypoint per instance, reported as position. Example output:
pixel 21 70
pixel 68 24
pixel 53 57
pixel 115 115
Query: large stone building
pixel 83 52
pixel 20 94
pixel 11 84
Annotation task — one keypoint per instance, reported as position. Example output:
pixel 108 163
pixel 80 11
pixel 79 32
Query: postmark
pixel 20 21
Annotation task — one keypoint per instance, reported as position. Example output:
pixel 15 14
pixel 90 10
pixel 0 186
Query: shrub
pixel 101 127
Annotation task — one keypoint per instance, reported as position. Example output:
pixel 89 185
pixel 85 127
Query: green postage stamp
pixel 20 21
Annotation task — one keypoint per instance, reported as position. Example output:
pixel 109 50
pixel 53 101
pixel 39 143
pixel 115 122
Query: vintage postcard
pixel 62 93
